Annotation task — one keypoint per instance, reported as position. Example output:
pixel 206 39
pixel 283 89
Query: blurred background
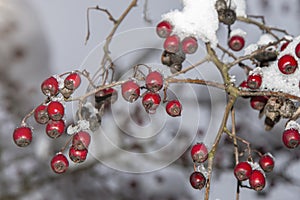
pixel 41 38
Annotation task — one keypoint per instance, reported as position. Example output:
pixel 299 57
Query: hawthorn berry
pixel 291 138
pixel 266 162
pixel 258 102
pixel 164 29
pixel 254 81
pixel 22 136
pixel 242 171
pixel 244 85
pixel 81 140
pixel 54 129
pixel 151 101
pixel 257 180
pixel 189 45
pixel 236 42
pixel 72 81
pixel 297 50
pixel 106 96
pixel 172 43
pixel 154 81
pixel 130 91
pixel 55 110
pixel 197 180
pixel 41 114
pixel 287 64
pixel 59 163
pixel 199 153
pixel 174 108
pixel 76 155
pixel 284 45
pixel 50 86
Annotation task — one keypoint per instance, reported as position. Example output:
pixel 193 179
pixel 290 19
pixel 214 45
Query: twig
pixel 196 81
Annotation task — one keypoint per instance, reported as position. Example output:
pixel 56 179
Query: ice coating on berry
pixel 59 163
pixel 130 91
pixel 257 180
pixel 267 163
pixel 254 81
pixel 154 81
pixel 164 29
pixel 22 136
pixel 174 108
pixel 81 140
pixel 199 153
pixel 197 180
pixel 151 101
pixel 55 129
pixel 291 138
pixel 189 45
pixel 72 81
pixel 172 43
pixel 287 64
pixel 41 114
pixel 77 156
pixel 50 86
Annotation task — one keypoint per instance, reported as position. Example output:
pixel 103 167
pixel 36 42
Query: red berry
pixel 267 163
pixel 41 114
pixel 258 102
pixel 22 136
pixel 254 81
pixel 291 138
pixel 55 110
pixel 189 45
pixel 199 153
pixel 257 180
pixel 174 108
pixel 54 129
pixel 59 163
pixel 50 86
pixel 172 44
pixel 297 50
pixel 284 45
pixel 81 140
pixel 130 91
pixel 242 171
pixel 197 180
pixel 72 81
pixel 77 156
pixel 151 101
pixel 287 64
pixel 154 81
pixel 236 42
pixel 244 85
pixel 106 96
pixel 164 29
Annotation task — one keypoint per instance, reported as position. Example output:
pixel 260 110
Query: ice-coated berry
pixel 236 42
pixel 172 43
pixel 242 171
pixel 55 110
pixel 164 29
pixel 41 114
pixel 189 45
pixel 258 102
pixel 287 64
pixel 130 91
pixel 22 136
pixel 81 140
pixel 59 163
pixel 50 86
pixel 55 129
pixel 151 101
pixel 72 81
pixel 257 180
pixel 291 138
pixel 174 108
pixel 77 156
pixel 254 81
pixel 197 180
pixel 199 153
pixel 266 162
pixel 154 81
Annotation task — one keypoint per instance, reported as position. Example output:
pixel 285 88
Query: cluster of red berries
pixel 151 99
pixel 255 174
pixel 51 114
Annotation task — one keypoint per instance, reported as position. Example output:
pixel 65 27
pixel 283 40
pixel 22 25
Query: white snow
pixel 240 7
pixel 239 32
pixel 292 125
pixel 264 39
pixel 274 80
pixel 198 18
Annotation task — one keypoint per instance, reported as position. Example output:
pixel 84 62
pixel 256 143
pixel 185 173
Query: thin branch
pixel 196 81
